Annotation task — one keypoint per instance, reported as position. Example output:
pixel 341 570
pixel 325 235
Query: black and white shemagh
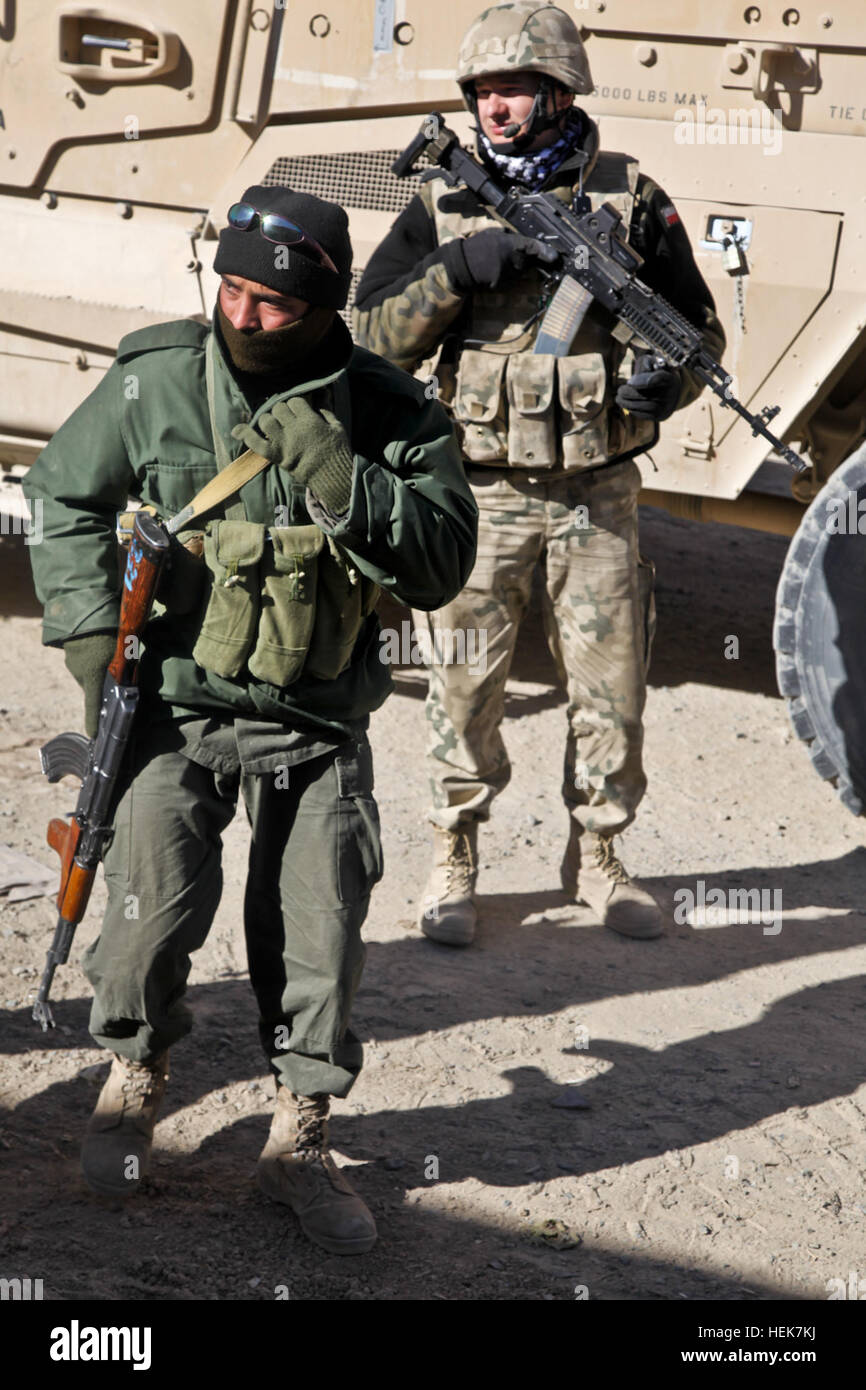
pixel 534 169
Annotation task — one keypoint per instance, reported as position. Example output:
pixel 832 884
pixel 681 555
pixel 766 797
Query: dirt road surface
pixel 717 1150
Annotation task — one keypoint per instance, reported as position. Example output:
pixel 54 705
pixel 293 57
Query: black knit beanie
pixel 291 270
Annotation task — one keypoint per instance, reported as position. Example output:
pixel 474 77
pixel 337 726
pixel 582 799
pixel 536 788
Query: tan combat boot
pixel 448 911
pixel 592 874
pixel 118 1139
pixel 295 1167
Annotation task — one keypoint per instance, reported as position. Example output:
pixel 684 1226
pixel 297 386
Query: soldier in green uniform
pixel 549 445
pixel 260 670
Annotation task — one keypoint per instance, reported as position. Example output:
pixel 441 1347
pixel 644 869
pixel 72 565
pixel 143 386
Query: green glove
pixel 88 659
pixel 310 444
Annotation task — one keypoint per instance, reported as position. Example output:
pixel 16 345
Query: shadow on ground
pixel 202 1229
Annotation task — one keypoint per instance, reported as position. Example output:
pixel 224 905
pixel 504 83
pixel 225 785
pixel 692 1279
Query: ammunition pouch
pixel 288 604
pixel 531 423
pixel 281 601
pixel 232 553
pixel 536 411
pixel 479 408
pixel 585 432
pixel 343 600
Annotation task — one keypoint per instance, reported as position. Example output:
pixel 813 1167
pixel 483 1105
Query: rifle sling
pixel 246 466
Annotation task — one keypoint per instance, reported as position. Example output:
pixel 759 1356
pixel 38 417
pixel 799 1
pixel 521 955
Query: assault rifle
pixel 596 263
pixel 80 841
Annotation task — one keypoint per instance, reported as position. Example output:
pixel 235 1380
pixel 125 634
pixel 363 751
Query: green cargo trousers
pixel 314 859
pixel 599 617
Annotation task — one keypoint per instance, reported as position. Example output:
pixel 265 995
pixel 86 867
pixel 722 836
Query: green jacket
pixel 145 433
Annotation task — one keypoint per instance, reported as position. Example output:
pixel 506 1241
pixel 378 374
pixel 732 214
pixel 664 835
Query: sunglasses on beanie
pixel 280 231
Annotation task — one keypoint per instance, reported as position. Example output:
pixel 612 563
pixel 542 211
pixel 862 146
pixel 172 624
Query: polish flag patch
pixel 670 214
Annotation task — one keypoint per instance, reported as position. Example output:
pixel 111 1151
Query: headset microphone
pixel 511 130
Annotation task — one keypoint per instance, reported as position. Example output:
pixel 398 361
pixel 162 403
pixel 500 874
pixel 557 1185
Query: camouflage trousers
pixel 599 619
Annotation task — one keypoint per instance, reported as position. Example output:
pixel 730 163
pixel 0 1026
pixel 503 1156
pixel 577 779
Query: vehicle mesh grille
pixel 354 179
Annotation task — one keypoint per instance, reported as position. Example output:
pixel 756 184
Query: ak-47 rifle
pixel 596 263
pixel 80 840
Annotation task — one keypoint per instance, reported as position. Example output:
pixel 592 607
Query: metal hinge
pixel 769 67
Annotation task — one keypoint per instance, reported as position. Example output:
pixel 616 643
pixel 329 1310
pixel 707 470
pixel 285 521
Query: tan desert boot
pixel 448 911
pixel 592 874
pixel 117 1143
pixel 295 1167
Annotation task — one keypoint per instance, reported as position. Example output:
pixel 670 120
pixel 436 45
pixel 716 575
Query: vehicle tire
pixel 819 632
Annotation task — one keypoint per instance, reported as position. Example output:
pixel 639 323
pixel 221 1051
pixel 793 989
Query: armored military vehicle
pixel 126 134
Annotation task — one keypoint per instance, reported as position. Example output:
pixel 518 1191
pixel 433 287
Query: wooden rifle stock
pixel 148 549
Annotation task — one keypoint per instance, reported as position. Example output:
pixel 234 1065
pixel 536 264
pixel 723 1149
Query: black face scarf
pixel 268 352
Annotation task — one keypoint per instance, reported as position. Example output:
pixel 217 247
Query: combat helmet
pixel 525 36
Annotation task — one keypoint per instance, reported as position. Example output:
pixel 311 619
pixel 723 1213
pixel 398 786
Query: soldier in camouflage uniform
pixel 549 446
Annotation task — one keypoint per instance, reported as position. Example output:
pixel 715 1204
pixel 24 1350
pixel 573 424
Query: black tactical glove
pixel 87 659
pixel 310 444
pixel 652 392
pixel 494 253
